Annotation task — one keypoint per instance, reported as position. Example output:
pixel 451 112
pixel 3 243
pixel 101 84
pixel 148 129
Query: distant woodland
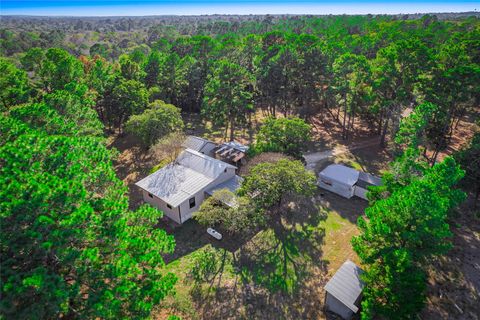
pixel 71 242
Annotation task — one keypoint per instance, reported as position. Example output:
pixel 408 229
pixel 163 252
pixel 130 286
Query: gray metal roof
pixel 232 184
pixel 346 285
pixel 237 146
pixel 180 180
pixel 197 143
pixel 366 179
pixel 340 173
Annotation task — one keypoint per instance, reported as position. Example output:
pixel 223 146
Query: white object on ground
pixel 214 233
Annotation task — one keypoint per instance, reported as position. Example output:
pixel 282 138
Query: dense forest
pixel 69 241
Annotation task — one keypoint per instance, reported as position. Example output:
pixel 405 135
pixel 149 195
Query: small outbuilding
pixel 339 179
pixel 344 290
pixel 231 152
pixel 346 181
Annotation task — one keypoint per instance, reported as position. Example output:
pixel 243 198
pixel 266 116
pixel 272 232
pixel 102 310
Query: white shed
pixel 339 179
pixel 344 290
pixel 346 181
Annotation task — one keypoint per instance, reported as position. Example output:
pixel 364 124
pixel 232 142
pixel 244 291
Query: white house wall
pixel 185 210
pixel 162 205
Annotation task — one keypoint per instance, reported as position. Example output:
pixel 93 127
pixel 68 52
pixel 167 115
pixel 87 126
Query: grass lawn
pixel 232 293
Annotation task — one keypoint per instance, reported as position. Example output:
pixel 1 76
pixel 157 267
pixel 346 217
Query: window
pixel 225 170
pixel 169 206
pixel 150 195
pixel 328 183
pixel 191 201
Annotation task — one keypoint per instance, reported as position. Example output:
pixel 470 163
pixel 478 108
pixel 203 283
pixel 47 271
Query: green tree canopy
pixel 14 84
pixel 400 235
pixel 157 121
pixel 59 69
pixel 268 183
pixel 232 213
pixel 69 245
pixel 288 135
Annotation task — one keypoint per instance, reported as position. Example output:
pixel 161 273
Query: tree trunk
pixel 477 195
pixel 232 129
pixel 384 133
pixel 344 117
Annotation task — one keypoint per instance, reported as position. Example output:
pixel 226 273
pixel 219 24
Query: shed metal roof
pixel 340 173
pixel 366 179
pixel 346 284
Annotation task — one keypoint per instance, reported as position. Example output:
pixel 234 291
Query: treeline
pixel 69 243
pixel 350 69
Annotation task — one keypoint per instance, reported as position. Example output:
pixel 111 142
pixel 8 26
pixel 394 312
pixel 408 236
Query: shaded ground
pixel 454 284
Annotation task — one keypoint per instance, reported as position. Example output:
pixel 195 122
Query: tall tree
pixel 158 120
pixel 289 135
pixel 352 83
pixel 397 71
pixel 123 99
pixel 228 98
pixel 402 233
pixel 59 69
pixel 269 183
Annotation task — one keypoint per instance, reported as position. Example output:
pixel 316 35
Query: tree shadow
pixel 454 279
pixel 350 209
pixel 277 274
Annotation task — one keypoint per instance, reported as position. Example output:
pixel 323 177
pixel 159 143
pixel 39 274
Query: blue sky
pixel 194 7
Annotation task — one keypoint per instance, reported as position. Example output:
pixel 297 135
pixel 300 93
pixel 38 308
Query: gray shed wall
pixel 334 305
pixel 339 188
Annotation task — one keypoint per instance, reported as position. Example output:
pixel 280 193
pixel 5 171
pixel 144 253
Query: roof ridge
pixel 208 158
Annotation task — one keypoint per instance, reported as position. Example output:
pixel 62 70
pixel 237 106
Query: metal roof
pixel 237 146
pixel 346 284
pixel 232 184
pixel 202 163
pixel 174 183
pixel 188 174
pixel 196 143
pixel 340 173
pixel 366 179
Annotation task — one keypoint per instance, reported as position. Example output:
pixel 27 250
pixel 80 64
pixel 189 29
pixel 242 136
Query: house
pixel 179 188
pixel 344 290
pixel 201 145
pixel 232 152
pixel 346 181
